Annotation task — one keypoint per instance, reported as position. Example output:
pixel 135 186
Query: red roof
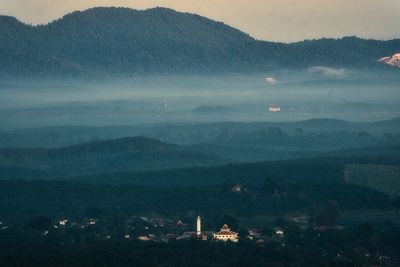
pixel 237 189
pixel 225 230
pixel 225 233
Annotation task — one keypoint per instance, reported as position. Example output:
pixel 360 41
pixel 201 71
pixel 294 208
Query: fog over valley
pixel 158 138
pixel 300 95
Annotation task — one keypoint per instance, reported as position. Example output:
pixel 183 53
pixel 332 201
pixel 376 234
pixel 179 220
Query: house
pixel 279 232
pixel 144 238
pixel 225 234
pixel 158 222
pixel 3 226
pixel 255 234
pixel 237 188
pixel 63 222
pixel 92 221
pixel 205 235
pixel 180 223
pixel 274 109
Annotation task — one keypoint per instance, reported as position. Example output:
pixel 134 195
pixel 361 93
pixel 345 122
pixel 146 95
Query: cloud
pixel 329 71
pixel 270 80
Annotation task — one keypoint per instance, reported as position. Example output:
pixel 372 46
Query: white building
pixel 144 238
pixel 226 235
pixel 63 222
pixel 274 109
pixel 201 235
pixel 198 226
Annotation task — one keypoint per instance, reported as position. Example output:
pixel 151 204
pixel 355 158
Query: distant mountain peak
pixel 116 41
pixel 392 61
pixel 8 21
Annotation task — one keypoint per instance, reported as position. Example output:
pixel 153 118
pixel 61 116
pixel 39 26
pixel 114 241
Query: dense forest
pixel 366 246
pixel 123 131
pixel 121 41
pixel 125 154
pixel 316 134
pixel 92 153
pixel 107 219
pixel 20 200
pixel 333 210
pixel 268 188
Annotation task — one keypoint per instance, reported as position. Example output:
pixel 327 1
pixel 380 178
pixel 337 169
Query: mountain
pixel 122 41
pixel 321 167
pixel 195 133
pixel 125 154
pixel 393 60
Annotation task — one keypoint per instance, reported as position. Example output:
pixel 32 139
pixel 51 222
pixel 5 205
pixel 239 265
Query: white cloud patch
pixel 329 71
pixel 270 80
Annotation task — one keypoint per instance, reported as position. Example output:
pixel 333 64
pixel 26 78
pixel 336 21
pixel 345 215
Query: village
pixel 152 228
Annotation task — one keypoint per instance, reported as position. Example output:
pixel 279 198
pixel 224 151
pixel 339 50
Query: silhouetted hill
pixel 391 122
pixel 211 109
pixel 133 153
pixel 319 167
pixel 122 41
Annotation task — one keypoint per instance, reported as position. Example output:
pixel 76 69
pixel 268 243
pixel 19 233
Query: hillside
pixel 122 41
pixel 188 133
pixel 384 178
pixel 319 168
pixel 268 188
pixel 126 154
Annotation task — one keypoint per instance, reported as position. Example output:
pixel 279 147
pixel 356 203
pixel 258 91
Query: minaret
pixel 165 105
pixel 198 228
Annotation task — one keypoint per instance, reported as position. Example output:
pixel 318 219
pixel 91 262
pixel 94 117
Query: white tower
pixel 198 224
pixel 165 105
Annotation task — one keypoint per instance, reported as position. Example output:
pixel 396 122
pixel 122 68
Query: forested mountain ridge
pixel 131 153
pixel 122 41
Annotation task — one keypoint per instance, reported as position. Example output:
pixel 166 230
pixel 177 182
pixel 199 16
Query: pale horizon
pixel 281 21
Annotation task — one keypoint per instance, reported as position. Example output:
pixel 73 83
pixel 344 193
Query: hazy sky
pixel 276 20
